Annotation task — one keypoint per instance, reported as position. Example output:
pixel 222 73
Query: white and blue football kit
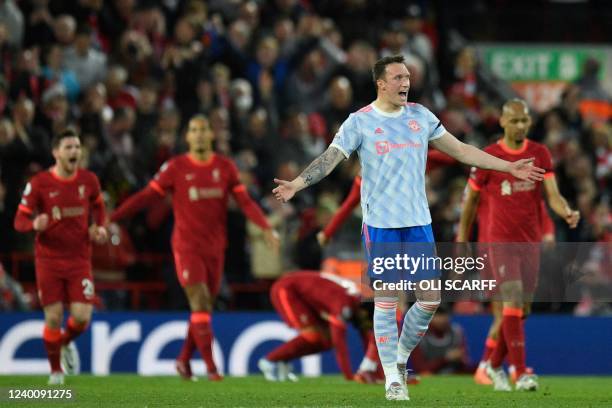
pixel 392 149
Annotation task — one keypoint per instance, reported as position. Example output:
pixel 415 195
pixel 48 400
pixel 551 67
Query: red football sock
pixel 73 330
pixel 490 345
pixel 188 346
pixel 202 335
pixel 372 350
pixel 302 345
pixel 514 332
pixel 53 344
pixel 500 351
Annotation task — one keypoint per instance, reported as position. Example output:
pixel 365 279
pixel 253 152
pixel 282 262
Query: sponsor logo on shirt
pixel 379 131
pixel 384 147
pixel 196 193
pixel 53 194
pixel 414 125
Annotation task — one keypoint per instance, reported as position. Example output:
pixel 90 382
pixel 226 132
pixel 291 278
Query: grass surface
pixel 326 391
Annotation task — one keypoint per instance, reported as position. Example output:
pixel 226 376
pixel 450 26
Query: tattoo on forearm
pixel 321 166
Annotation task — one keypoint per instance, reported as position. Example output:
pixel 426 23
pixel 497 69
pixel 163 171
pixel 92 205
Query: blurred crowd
pixel 276 79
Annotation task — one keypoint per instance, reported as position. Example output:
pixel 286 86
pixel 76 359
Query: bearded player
pixel 64 207
pixel 201 183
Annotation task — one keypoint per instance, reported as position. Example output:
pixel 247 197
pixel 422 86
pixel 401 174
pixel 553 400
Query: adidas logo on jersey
pixel 379 131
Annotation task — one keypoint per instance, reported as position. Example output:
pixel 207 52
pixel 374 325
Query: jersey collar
pixel 509 150
pixel 388 114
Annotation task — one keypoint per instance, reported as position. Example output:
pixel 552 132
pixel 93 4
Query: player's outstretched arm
pixel 468 213
pixel 315 172
pixel 254 213
pixel 142 199
pixel 559 204
pixel 468 154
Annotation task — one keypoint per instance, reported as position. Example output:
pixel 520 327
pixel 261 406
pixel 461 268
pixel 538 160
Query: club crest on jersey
pixel 382 147
pixel 81 191
pixel 215 175
pixel 506 188
pixel 414 125
pixel 56 213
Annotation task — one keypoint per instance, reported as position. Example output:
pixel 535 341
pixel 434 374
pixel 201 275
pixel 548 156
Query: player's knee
pixel 53 321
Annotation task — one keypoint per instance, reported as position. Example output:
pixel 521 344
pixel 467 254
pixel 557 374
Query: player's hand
pixel 572 218
pixel 285 190
pixel 322 238
pixel 271 238
pixel 98 234
pixel 41 222
pixel 525 170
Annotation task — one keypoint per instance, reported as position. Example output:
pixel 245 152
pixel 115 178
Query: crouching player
pixel 319 306
pixel 58 204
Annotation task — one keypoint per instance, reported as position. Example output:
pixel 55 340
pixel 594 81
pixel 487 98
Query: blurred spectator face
pixel 54 57
pixel 115 81
pixel 3 34
pixel 249 12
pixel 267 52
pixel 147 99
pixel 184 32
pixel 466 61
pixel 169 120
pixel 205 91
pixel 7 132
pixel 396 39
pixel 95 98
pixel 125 8
pixel 64 28
pixel 135 46
pixel 239 34
pixel 23 112
pixel 221 76
pixel 602 136
pixel 258 123
pixel 82 43
pixel 288 170
pixel 219 119
pixel 341 93
pixel 242 95
pixel 413 22
pixel 284 29
pixel 55 104
pixel 361 57
pixel 199 135
pixel 123 121
pixel 285 5
pixel 29 61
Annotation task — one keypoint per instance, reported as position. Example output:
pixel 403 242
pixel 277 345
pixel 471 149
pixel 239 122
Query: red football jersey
pixel 68 203
pixel 200 193
pixel 321 293
pixel 514 205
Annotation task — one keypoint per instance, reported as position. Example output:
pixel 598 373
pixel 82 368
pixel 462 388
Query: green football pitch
pixel 326 391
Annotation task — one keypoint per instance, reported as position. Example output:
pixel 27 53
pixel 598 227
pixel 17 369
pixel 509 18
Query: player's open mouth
pixel 72 160
pixel 403 94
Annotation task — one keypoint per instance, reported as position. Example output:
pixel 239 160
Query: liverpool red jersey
pixel 320 293
pixel 200 192
pixel 68 203
pixel 514 205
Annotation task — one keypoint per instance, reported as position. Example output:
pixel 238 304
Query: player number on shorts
pixel 88 287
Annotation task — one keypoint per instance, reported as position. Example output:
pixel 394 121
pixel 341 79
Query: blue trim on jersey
pixel 383 243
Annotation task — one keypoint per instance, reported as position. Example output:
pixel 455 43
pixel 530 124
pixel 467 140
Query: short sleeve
pixel 478 178
pixel 164 179
pixel 545 162
pixel 348 138
pixel 30 197
pixel 436 129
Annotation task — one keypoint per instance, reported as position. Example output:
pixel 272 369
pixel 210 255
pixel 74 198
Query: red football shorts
pixel 516 263
pixel 292 309
pixel 192 268
pixel 64 282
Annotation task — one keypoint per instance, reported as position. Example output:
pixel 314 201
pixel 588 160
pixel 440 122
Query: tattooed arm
pixel 315 172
